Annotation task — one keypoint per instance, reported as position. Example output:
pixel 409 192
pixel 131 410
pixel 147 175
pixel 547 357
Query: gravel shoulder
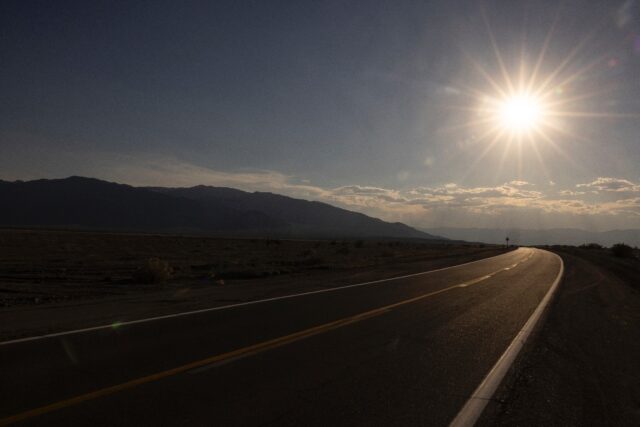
pixel 583 365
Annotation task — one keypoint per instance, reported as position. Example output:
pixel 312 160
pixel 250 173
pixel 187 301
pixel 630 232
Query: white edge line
pixel 224 307
pixel 472 409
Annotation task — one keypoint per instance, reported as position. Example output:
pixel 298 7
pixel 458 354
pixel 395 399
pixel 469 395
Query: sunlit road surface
pixel 399 352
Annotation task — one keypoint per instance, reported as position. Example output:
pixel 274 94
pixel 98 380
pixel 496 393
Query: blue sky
pixel 363 104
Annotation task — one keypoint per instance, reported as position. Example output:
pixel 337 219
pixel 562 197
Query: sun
pixel 520 113
pixel 526 106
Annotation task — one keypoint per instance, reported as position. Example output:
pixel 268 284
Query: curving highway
pixel 402 351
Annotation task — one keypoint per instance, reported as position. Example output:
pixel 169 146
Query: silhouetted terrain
pixel 555 236
pixel 94 204
pixel 41 267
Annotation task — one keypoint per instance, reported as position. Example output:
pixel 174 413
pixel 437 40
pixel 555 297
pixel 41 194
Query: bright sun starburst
pixel 521 112
pixel 528 107
pixel 518 114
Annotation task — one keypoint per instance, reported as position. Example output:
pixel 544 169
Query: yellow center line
pixel 231 355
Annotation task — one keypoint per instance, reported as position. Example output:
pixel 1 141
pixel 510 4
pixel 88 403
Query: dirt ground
pixel 583 367
pixel 59 280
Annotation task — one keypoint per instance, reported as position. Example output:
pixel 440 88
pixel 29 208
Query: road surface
pixel 406 351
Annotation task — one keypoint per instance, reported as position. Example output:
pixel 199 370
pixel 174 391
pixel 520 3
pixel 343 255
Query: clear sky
pixel 392 108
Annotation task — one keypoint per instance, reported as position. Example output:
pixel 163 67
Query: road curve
pixel 408 351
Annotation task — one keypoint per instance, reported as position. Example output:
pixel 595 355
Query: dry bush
pixel 591 246
pixel 154 270
pixel 621 250
pixel 344 250
pixel 315 260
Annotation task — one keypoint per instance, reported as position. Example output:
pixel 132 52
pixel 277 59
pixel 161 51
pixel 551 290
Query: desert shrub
pixel 312 261
pixel 154 270
pixel 591 246
pixel 344 250
pixel 622 251
pixel 241 273
pixel 201 267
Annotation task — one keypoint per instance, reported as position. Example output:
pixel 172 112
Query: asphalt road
pixel 408 351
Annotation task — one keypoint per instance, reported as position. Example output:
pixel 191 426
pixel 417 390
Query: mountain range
pixel 555 236
pixel 88 203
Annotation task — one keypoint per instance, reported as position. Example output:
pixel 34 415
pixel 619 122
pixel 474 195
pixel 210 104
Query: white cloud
pixel 611 184
pixel 571 193
pixel 518 183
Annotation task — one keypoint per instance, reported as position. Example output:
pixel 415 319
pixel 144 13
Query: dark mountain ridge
pixel 303 216
pixel 90 203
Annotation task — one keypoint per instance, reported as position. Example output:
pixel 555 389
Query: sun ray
pixel 574 76
pixel 541 162
pixel 553 105
pixel 503 158
pixel 496 86
pixel 466 125
pixel 519 150
pixel 543 52
pixel 554 146
pixel 570 57
pixel 496 52
pixel 542 87
pixel 496 139
pixel 587 114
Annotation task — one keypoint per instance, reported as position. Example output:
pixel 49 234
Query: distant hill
pixel 301 216
pixel 555 236
pixel 88 203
